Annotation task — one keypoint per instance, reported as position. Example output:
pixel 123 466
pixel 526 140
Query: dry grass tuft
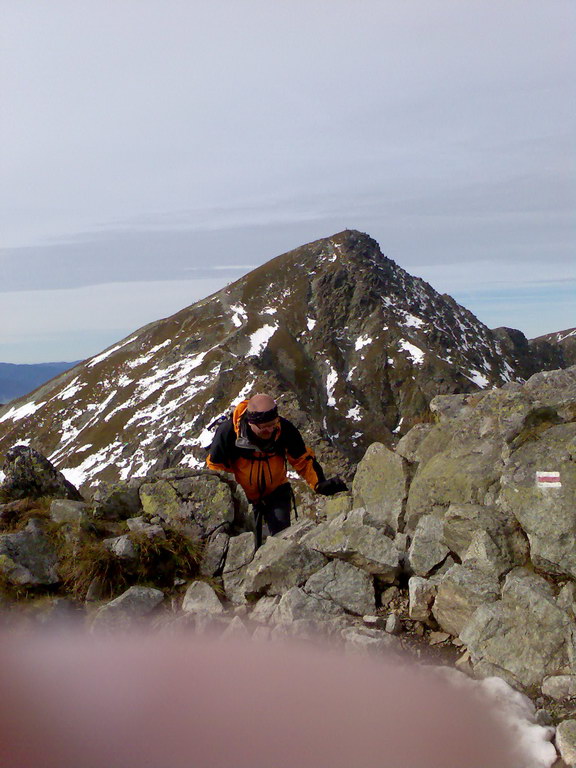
pixel 158 562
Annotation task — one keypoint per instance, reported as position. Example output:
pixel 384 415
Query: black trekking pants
pixel 275 509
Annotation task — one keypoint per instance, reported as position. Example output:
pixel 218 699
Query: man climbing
pixel 255 443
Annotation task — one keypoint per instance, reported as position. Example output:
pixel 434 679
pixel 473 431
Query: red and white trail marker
pixel 548 479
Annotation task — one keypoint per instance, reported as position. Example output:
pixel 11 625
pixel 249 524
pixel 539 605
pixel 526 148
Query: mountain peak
pixel 351 345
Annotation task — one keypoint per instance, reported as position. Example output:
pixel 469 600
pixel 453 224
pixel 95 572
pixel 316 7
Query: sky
pixel 152 151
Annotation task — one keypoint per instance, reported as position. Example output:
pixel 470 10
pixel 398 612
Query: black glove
pixel 331 486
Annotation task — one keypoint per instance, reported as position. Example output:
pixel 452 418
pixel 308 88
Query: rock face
pixel 493 487
pixel 352 345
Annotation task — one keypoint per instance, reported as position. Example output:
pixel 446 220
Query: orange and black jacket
pixel 259 472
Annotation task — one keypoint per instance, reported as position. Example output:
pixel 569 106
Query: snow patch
pixel 331 381
pixel 16 414
pixel 108 352
pixel 240 315
pixel 416 354
pixel 310 323
pixel 478 378
pixel 362 341
pixel 412 321
pixel 70 390
pixel 354 413
pixel 243 394
pixel 260 338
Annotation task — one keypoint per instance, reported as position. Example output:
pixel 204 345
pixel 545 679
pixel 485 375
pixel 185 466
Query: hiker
pixel 255 443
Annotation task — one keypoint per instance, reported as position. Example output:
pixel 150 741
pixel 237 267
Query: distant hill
pixel 352 346
pixel 18 380
pixel 564 341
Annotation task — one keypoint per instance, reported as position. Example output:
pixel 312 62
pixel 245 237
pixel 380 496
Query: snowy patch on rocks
pixel 415 353
pixel 260 338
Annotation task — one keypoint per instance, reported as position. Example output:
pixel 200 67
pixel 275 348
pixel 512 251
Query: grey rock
pixel 297 604
pixel 264 609
pixel 364 640
pixel 409 444
pixel 236 630
pixel 280 565
pixel 543 717
pixel 523 637
pixel 68 511
pixel 362 545
pixel 463 473
pixel 462 589
pixel 402 542
pixel 117 501
pixel 545 513
pixel 132 605
pixel 487 553
pixel 525 589
pixel 28 558
pixel 380 486
pixel 139 523
pixel 200 597
pixel 393 624
pixel 208 501
pixel 421 593
pixel 241 551
pixel 388 595
pixel 337 504
pixel 122 546
pixel 214 555
pixel 199 500
pixel 451 407
pixel 503 545
pixel 344 584
pixel 559 686
pixel 29 474
pixel 566 741
pixel 297 531
pixel 461 522
pixel 567 598
pixel 427 548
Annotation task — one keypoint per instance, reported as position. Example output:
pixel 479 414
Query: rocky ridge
pixel 352 346
pixel 461 541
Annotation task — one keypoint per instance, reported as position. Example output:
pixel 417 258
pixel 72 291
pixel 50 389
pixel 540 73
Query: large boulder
pixel 201 598
pixel 545 510
pixel 133 605
pixel 241 550
pixel 524 637
pixel 380 487
pixel 28 474
pixel 427 549
pixel 117 501
pixel 296 604
pixel 198 501
pixel 344 584
pixel 463 588
pixel 28 558
pixel 465 526
pixel 280 565
pixel 349 538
